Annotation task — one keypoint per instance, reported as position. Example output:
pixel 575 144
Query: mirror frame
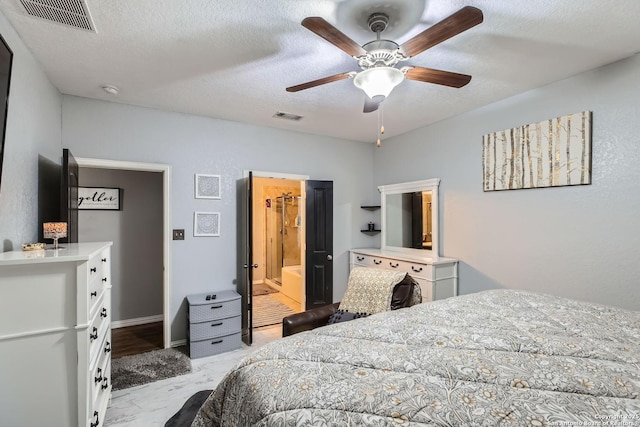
pixel 410 187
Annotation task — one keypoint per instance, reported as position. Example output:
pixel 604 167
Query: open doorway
pixel 145 325
pixel 278 245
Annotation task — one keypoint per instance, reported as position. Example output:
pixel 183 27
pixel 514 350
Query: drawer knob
pixel 94 335
pixel 216 342
pixel 360 258
pixel 376 262
pixel 104 279
pixel 216 324
pixel 417 270
pixel 98 378
pixel 216 306
pixel 107 347
pixel 105 383
pixel 393 265
pixel 94 294
pixel 103 313
pixel 104 260
pixel 97 420
pixel 93 269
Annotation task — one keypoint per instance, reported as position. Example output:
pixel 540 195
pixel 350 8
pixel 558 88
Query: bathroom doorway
pixel 278 244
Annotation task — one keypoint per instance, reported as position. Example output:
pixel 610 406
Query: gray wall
pixel 192 144
pixel 32 137
pixel 136 233
pixel 581 241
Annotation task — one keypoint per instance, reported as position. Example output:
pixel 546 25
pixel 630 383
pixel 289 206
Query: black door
pixel 69 196
pixel 319 240
pixel 246 233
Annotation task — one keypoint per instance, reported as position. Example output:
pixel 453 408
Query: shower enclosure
pixel 283 240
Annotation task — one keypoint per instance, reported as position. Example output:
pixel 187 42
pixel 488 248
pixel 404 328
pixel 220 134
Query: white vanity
pixel 410 239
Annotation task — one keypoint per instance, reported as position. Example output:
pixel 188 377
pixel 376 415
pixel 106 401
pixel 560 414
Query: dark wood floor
pixel 136 339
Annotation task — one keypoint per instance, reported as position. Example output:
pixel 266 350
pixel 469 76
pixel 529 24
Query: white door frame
pixel 166 215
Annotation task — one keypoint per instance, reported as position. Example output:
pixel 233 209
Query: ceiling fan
pixel 378 58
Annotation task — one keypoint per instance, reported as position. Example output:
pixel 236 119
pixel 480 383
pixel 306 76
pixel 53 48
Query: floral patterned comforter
pixel 507 358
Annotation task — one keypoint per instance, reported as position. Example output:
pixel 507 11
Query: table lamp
pixel 54 230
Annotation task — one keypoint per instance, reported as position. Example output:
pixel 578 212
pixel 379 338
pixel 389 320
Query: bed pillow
pixel 404 294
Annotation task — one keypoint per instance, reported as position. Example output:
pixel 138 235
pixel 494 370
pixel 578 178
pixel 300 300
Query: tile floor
pixel 153 404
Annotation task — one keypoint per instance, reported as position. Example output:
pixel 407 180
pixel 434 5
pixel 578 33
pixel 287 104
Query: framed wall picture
pixel 206 224
pixel 550 153
pixel 207 186
pixel 99 198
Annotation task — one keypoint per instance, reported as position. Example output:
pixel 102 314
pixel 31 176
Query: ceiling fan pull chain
pixel 380 127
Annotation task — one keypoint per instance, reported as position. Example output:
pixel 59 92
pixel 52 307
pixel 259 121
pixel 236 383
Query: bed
pixel 499 357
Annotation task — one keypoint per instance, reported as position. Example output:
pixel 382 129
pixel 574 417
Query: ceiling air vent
pixel 287 116
pixel 72 13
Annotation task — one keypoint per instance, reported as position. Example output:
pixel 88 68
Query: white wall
pixel 579 241
pixel 33 130
pixel 192 144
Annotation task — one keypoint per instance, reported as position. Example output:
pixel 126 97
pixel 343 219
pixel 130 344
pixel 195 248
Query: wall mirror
pixel 410 217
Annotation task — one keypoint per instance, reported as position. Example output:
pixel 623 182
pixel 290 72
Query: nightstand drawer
pixel 214 328
pixel 214 310
pixel 212 346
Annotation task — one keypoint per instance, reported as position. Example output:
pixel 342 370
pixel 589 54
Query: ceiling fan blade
pixel 439 77
pixel 462 20
pixel 371 105
pixel 333 35
pixel 321 81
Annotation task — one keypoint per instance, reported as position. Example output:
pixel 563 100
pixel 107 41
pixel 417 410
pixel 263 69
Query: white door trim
pixel 166 215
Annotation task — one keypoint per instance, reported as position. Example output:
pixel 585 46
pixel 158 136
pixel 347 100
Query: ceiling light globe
pixel 378 81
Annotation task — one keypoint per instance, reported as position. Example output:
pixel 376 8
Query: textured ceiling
pixel 233 59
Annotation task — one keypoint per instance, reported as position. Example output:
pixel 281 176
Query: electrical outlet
pixel 178 234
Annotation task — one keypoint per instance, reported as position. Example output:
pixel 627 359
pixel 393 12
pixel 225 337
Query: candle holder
pixel 54 230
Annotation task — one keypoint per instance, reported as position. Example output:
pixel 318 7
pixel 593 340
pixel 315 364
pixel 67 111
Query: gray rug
pixel 268 311
pixel 130 371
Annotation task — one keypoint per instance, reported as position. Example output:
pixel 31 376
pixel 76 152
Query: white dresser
pixel 437 279
pixel 55 333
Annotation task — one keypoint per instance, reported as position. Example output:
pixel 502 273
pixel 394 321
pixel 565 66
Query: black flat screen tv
pixel 6 59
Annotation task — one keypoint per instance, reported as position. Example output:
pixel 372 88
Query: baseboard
pixel 137 321
pixel 178 343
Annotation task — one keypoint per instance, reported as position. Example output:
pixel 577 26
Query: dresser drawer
pixel 361 260
pixel 99 399
pixel 212 346
pixel 96 288
pixel 99 379
pixel 214 328
pixel 99 329
pixel 215 310
pixel 414 269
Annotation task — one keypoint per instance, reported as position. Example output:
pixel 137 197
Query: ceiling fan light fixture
pixel 378 81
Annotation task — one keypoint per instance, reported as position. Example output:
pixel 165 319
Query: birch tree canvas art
pixel 551 153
